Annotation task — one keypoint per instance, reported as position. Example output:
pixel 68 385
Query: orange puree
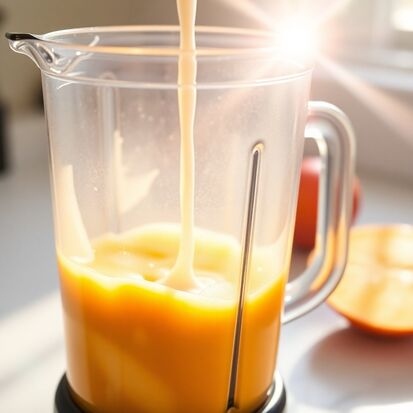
pixel 137 345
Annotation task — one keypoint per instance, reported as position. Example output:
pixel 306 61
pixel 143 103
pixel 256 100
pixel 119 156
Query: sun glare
pixel 389 109
pixel 299 38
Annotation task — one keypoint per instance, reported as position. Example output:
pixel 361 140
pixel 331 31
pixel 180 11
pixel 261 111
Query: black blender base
pixel 64 402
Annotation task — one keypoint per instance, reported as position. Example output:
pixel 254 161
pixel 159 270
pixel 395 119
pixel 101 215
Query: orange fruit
pixel 376 291
pixel 306 217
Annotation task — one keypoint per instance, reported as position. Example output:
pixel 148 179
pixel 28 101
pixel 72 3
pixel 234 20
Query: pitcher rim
pixel 50 37
pixel 269 48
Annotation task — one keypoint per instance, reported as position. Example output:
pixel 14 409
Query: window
pixel 402 23
pixel 373 24
pixel 402 15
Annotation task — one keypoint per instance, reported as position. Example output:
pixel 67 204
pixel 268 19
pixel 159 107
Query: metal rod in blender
pixel 248 232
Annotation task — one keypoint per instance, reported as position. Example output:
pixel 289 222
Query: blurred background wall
pixel 370 40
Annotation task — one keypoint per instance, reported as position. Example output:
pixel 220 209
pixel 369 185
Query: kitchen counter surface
pixel 326 365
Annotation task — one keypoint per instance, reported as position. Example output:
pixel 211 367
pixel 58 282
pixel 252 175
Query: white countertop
pixel 326 365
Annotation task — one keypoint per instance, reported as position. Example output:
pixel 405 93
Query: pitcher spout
pixel 41 52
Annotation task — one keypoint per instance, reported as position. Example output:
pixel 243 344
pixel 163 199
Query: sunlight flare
pixel 393 112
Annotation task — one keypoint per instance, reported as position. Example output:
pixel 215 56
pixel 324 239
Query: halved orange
pixel 376 291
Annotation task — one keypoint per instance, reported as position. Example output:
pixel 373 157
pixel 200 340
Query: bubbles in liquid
pixel 149 256
pixel 211 285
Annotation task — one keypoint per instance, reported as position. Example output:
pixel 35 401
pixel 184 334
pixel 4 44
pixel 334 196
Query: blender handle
pixel 333 134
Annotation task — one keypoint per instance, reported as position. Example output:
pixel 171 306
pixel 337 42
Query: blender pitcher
pixel 133 342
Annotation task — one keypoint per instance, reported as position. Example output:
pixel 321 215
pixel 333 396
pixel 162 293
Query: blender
pixel 134 343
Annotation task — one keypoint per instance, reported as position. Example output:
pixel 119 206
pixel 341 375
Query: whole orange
pixel 306 219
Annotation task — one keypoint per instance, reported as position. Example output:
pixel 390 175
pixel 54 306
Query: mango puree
pixel 136 345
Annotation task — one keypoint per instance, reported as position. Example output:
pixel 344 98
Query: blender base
pixel 275 403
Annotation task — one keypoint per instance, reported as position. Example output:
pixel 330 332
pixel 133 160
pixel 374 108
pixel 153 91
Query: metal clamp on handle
pixel 332 131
